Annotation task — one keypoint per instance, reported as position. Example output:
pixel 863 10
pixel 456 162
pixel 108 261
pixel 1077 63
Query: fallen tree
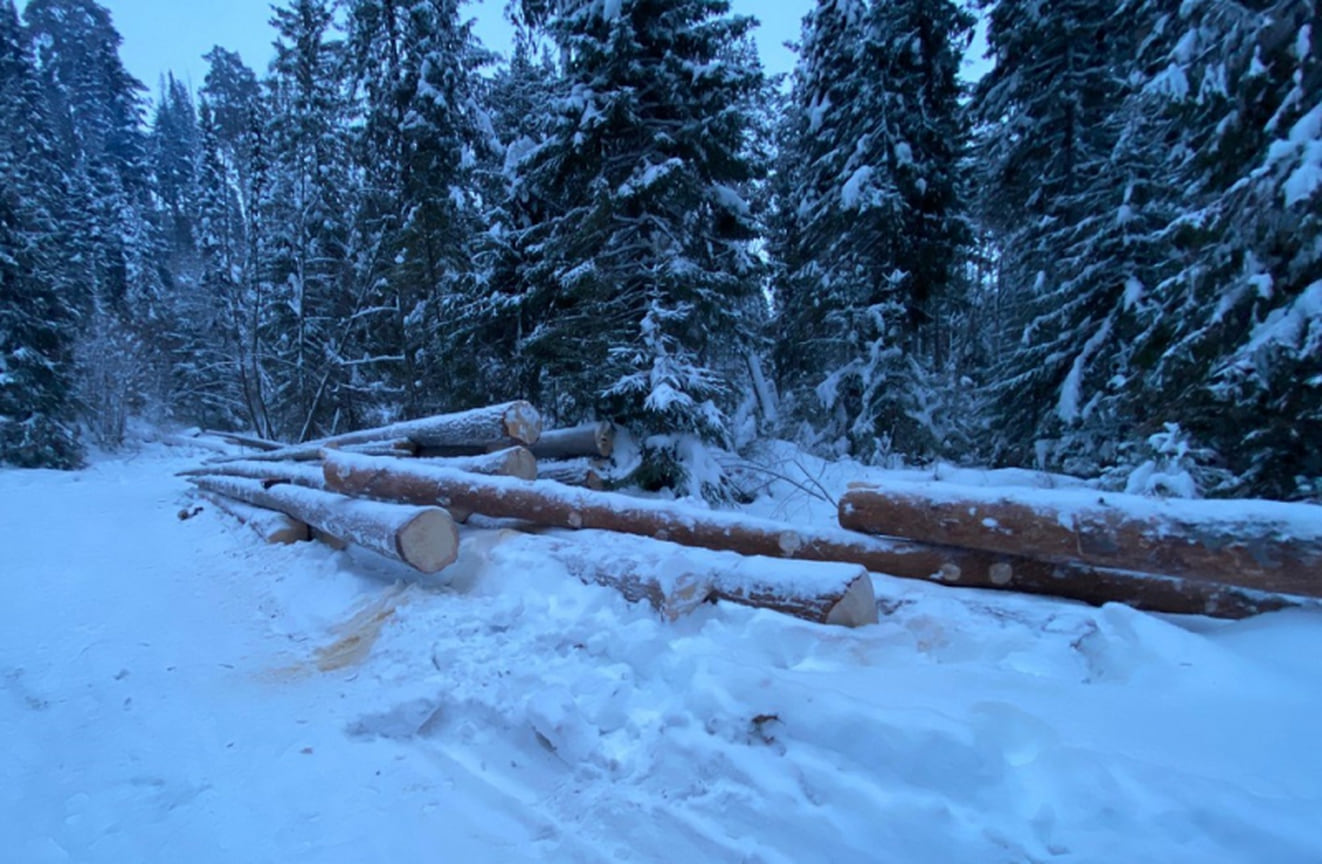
pixel 477 431
pixel 271 525
pixel 424 538
pixel 567 507
pixel 576 472
pixel 1261 545
pixel 590 439
pixel 675 579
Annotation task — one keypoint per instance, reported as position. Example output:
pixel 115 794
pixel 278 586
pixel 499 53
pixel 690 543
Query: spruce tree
pixel 876 227
pixel 633 226
pixel 38 302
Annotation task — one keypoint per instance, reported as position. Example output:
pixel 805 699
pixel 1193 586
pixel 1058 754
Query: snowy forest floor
pixel 176 691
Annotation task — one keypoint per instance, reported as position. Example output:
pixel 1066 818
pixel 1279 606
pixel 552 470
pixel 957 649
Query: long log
pixel 590 439
pixel 475 431
pixel 576 472
pixel 566 507
pixel 246 440
pixel 425 538
pixel 509 462
pixel 1262 545
pixel 675 580
pixel 271 525
pixel 298 473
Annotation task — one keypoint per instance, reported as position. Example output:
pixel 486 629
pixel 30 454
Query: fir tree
pixel 634 228
pixel 38 301
pixel 876 228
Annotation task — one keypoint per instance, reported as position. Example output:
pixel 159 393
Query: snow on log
pixel 425 538
pixel 575 472
pixel 676 579
pixel 510 462
pixel 245 440
pixel 1262 545
pixel 298 473
pixel 566 507
pixel 395 447
pixel 271 525
pixel 475 431
pixel 589 439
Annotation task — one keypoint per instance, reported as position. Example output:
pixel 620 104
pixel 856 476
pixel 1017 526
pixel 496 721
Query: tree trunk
pixel 578 472
pixel 1265 546
pixel 591 439
pixel 476 431
pixel 675 580
pixel 510 462
pixel 425 538
pixel 565 507
pixel 246 440
pixel 397 447
pixel 271 525
pixel 297 473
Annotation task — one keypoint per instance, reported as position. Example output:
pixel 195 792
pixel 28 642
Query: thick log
pixel 675 580
pixel 271 525
pixel 297 473
pixel 476 431
pixel 566 507
pixel 425 538
pixel 578 472
pixel 590 439
pixel 509 462
pixel 1261 545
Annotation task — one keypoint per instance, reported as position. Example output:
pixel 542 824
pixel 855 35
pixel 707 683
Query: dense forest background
pixel 1106 254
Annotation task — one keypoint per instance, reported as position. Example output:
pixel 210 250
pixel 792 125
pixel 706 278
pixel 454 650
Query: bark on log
pixel 1265 546
pixel 271 525
pixel 297 473
pixel 578 472
pixel 246 440
pixel 476 431
pixel 589 439
pixel 403 447
pixel 425 538
pixel 510 462
pixel 676 580
pixel 565 507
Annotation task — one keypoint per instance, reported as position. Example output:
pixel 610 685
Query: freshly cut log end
pixel 522 423
pixel 429 542
pixel 858 606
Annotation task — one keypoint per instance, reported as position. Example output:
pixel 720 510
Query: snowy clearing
pixel 178 691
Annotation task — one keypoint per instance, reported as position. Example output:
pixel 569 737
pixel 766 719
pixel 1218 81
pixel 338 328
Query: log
pixel 566 507
pixel 271 525
pixel 578 472
pixel 590 439
pixel 297 473
pixel 1262 545
pixel 476 431
pixel 675 580
pixel 246 440
pixel 395 447
pixel 424 538
pixel 509 462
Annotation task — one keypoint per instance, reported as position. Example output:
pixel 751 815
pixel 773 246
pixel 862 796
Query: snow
pixel 175 691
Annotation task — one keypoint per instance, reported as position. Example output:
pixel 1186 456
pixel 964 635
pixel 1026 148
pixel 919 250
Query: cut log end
pixel 429 542
pixel 522 423
pixel 858 606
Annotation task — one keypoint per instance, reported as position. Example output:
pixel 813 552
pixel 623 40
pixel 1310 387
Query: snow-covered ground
pixel 174 691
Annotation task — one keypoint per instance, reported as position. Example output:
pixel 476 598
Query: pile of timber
pixel 404 490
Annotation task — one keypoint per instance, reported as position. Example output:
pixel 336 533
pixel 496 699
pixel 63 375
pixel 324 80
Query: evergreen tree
pixel 876 229
pixel 634 230
pixel 38 303
pixel 1231 345
pixel 308 219
pixel 1068 196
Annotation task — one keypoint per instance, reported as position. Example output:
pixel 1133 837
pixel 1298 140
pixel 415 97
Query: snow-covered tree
pixel 876 229
pixel 38 299
pixel 637 272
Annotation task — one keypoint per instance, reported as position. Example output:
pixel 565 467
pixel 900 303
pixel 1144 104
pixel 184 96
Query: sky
pixel 172 35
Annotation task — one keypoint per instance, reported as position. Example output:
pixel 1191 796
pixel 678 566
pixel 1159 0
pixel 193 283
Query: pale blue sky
pixel 161 35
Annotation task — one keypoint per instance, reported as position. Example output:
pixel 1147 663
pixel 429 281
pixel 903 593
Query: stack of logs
pixel 402 491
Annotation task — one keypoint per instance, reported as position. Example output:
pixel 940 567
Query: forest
pixel 1104 258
